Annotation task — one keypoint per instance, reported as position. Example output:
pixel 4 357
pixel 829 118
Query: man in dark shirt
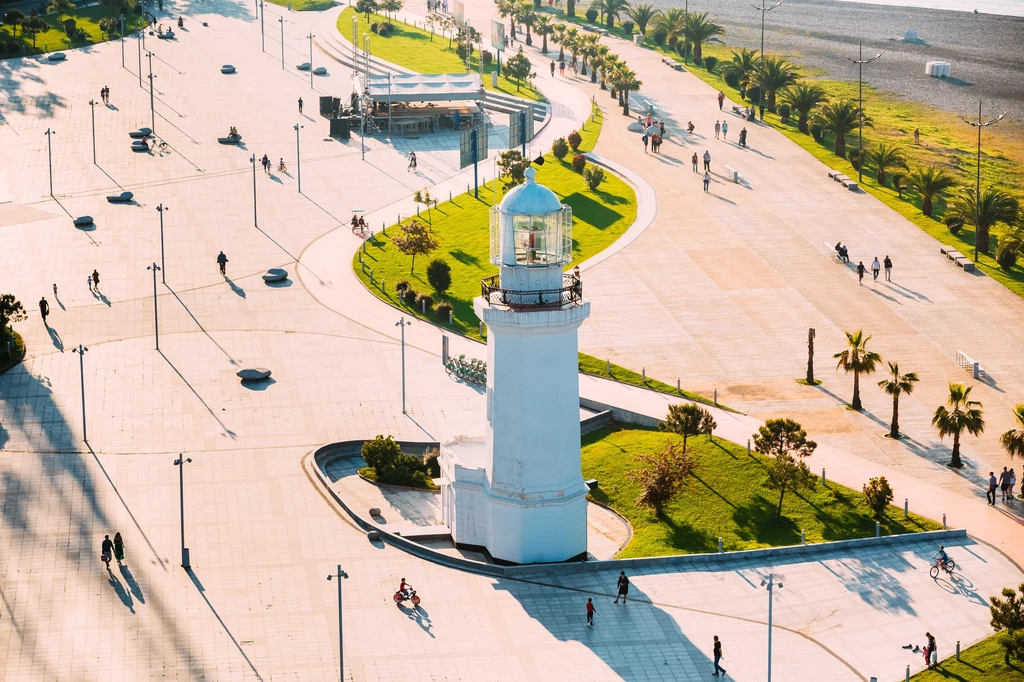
pixel 107 550
pixel 623 584
pixel 718 657
pixel 44 310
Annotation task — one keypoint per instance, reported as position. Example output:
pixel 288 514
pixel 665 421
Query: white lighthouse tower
pixel 520 494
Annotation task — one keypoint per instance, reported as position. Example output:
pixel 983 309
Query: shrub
pixel 110 26
pixel 381 453
pixel 754 95
pixel 409 296
pixel 1006 258
pixel 816 131
pixel 560 148
pixel 401 286
pixel 856 157
pixel 659 35
pixel 710 63
pixel 575 140
pixel 591 15
pixel 593 176
pixel 627 27
pixel 732 79
pixel 579 162
pixel 877 495
pixel 461 50
pixel 425 302
pixel 954 223
pixel 487 57
pixel 430 463
pixel 439 274
pixel 784 111
pixel 442 311
pixel 382 28
pixel 392 466
pixel 70 27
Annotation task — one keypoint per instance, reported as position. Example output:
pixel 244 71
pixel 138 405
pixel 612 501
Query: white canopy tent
pixel 419 87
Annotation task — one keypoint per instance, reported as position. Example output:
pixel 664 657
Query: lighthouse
pixel 519 492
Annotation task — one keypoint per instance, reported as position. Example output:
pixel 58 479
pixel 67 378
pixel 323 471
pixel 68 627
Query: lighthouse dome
pixel 530 198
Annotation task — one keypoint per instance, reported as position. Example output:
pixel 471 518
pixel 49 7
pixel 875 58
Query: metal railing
pixel 571 292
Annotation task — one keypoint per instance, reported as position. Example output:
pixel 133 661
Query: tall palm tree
pixel 612 10
pixel 776 74
pixel 858 359
pixel 543 27
pixel 964 415
pixel 802 98
pixel 507 10
pixel 701 30
pixel 642 15
pixel 625 82
pixel 742 66
pixel 526 16
pixel 1013 440
pixel 557 36
pixel 929 182
pixel 896 385
pixel 571 41
pixel 587 49
pixel 570 8
pixel 883 157
pixel 994 207
pixel 840 118
pixel 598 61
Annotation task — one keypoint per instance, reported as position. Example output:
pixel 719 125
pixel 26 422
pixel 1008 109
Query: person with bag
pixel 105 550
pixel 118 548
pixel 931 654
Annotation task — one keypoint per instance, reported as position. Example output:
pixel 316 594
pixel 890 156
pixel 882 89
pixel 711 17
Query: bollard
pixel 608 367
pixel 803 537
pixel 399 221
pixel 364 244
pixel 449 195
pixel 417 210
pixel 423 306
pixel 382 286
pixel 823 477
pixel 679 386
pixel 481 328
pixel 444 349
pixel 450 314
pixel 958 650
pixel 643 375
pixel 371 274
pixel 906 509
pixel 383 229
pixel 716 396
pixel 943 522
pixel 878 529
pixel 874 679
pixel 748 447
pixel 363 266
pixel 360 257
pixel 720 545
pixel 908 674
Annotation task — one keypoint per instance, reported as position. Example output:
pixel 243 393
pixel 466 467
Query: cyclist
pixel 943 558
pixel 281 167
pixel 222 261
pixel 402 587
pixel 412 162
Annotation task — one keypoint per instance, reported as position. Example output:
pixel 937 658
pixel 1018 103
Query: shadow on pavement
pixel 202 593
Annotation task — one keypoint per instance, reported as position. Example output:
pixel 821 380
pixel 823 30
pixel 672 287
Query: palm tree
pixel 742 66
pixel 526 16
pixel 507 10
pixel 611 9
pixel 995 206
pixel 858 359
pixel 896 385
pixel 776 74
pixel 542 26
pixel 642 15
pixel 599 61
pixel 840 118
pixel 884 157
pixel 964 415
pixel 570 8
pixel 1013 440
pixel 1010 248
pixel 929 182
pixel 587 49
pixel 802 98
pixel 557 36
pixel 571 41
pixel 625 82
pixel 701 30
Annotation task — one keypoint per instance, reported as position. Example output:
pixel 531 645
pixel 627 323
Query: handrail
pixel 571 292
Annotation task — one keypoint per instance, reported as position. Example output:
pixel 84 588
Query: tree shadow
pixel 874 583
pixel 758 521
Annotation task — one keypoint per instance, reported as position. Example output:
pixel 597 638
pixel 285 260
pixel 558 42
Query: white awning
pixel 418 87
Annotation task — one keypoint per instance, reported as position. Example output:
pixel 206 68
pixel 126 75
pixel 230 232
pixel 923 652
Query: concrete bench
pixel 965 361
pixel 253 374
pixel 591 483
pixel 733 174
pixel 57 57
pixel 275 275
pixel 83 221
pixel 953 255
pixel 122 198
pixel 965 263
pixel 320 71
pixel 166 35
pixel 945 249
pixel 230 139
pixel 304 66
pixel 140 146
pixel 849 184
pixel 227 68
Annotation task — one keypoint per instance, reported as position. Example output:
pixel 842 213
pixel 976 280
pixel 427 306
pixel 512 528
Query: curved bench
pixel 320 71
pixel 227 68
pixel 140 146
pixel 635 127
pixel 122 198
pixel 253 374
pixel 230 139
pixel 167 35
pixel 138 134
pixel 83 221
pixel 56 57
pixel 304 66
pixel 275 275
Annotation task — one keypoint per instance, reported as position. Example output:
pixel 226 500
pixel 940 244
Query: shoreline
pixel 1004 8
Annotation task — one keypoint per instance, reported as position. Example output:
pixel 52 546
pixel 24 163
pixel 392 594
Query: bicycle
pixel 948 566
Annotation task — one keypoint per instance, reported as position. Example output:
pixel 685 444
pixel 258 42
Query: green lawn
pixel 726 499
pixel 305 5
pixel 55 39
pixel 597 367
pixel 983 662
pixel 461 226
pixel 414 49
pixel 17 351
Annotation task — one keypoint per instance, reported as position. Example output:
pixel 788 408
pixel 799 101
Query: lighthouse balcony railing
pixel 570 293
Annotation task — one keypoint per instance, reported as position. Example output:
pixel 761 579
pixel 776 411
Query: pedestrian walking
pixel 661 127
pixel 623 584
pixel 718 657
pixel 694 161
pixel 860 272
pixel 917 136
pixel 590 612
pixel 991 494
pixel 1013 483
pixel 743 137
pixel 88 280
pixel 118 548
pixel 718 128
pixel 876 267
pixel 725 130
pixel 561 68
pixel 300 105
pixel 721 99
pixel 57 298
pixel 44 309
pixel 648 119
pixel 96 279
pixel 887 264
pixel 645 140
pixel 266 164
pixel 1004 482
pixel 105 550
pixel 552 67
pixel 707 180
pixel 222 262
pixel 707 160
pixel 931 652
pixel 411 168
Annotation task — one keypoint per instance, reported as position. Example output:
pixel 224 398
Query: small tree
pixel 414 241
pixel 11 311
pixel 786 473
pixel 575 140
pixel 60 7
pixel 684 420
pixel 1008 614
pixel 439 274
pixel 382 453
pixel 517 68
pixel 14 17
pixel 783 437
pixel 366 7
pixel 593 176
pixel 422 196
pixel 708 425
pixel 877 495
pixel 390 7
pixel 662 476
pixel 512 165
pixel 579 162
pixel 560 148
pixel 33 26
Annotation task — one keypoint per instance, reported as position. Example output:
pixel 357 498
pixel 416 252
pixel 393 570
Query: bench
pixel 965 264
pixel 968 363
pixel 945 249
pixel 83 221
pixel 320 71
pixel 849 184
pixel 253 374
pixel 275 275
pixel 57 57
pixel 830 252
pixel 227 68
pixel 733 174
pixel 122 198
pixel 230 139
pixel 304 66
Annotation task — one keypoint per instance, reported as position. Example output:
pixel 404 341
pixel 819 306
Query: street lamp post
pixel 860 62
pixel 760 88
pixel 255 222
pixel 180 463
pixel 263 36
pixel 81 350
pixel 341 640
pixel 122 41
pixel 92 107
pixel 298 157
pixel 979 124
pixel 138 43
pixel 49 156
pixel 310 60
pixel 163 272
pixel 281 21
pixel 770 585
pixel 152 107
pixel 403 324
pixel 156 319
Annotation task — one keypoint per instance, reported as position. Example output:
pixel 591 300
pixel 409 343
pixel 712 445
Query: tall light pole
pixel 979 124
pixel 770 585
pixel 156 319
pixel 281 21
pixel 138 43
pixel 122 41
pixel 152 107
pixel 310 60
pixel 860 62
pixel 82 350
pixel 163 272
pixel 263 36
pixel 49 155
pixel 92 107
pixel 180 463
pixel 298 157
pixel 760 89
pixel 255 222
pixel 341 640
pixel 403 324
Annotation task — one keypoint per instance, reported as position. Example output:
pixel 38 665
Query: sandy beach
pixel 986 51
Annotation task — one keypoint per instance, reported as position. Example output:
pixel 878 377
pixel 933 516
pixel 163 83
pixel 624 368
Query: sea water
pixel 1013 8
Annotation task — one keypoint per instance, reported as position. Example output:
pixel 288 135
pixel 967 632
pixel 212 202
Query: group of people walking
pixel 876 266
pixel 1006 482
pixel 112 549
